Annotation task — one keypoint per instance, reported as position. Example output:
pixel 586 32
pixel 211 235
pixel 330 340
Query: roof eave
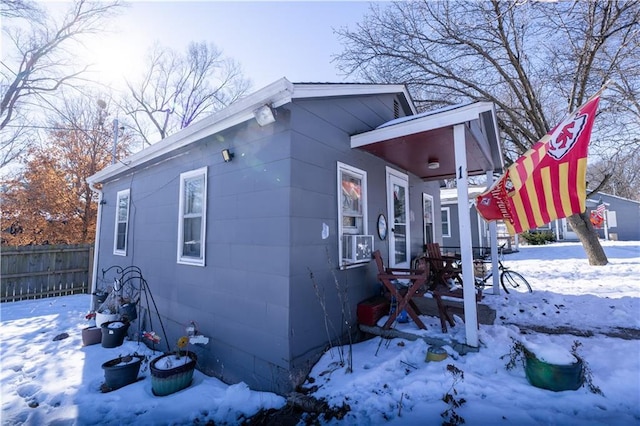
pixel 449 118
pixel 276 94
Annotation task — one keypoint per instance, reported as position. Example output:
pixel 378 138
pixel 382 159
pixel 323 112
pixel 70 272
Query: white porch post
pixel 493 238
pixel 462 183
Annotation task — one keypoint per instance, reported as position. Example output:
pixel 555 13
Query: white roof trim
pixel 311 90
pixel 276 94
pixel 422 123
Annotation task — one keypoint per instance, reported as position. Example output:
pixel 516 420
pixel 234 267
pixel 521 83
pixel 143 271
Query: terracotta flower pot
pixel 91 336
pixel 169 375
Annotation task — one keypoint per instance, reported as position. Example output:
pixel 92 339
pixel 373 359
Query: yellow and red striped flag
pixel 549 181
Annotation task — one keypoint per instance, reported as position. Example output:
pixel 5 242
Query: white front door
pixel 398 212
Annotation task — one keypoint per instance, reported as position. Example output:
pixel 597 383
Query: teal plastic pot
pixel 553 377
pixel 167 381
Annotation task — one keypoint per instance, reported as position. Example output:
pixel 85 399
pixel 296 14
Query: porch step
pixel 427 306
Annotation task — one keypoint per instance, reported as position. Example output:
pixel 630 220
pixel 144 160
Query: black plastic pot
pixel 129 311
pixel 121 371
pixel 99 298
pixel 113 333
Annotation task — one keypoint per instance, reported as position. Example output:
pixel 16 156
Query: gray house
pixel 244 222
pixel 621 219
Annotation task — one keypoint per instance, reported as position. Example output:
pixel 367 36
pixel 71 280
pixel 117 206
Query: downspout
pixel 96 246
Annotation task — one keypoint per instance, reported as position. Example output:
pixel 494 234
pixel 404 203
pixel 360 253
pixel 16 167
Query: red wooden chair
pixel 389 277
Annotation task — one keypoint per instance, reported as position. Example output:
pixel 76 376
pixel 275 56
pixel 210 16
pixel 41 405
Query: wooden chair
pixel 445 269
pixel 390 278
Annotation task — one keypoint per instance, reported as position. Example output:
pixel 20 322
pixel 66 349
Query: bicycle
pixel 510 280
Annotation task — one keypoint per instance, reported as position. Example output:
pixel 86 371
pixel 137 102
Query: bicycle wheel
pixel 513 281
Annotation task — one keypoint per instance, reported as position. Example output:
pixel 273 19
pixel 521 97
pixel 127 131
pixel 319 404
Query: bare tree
pixel 19 9
pixel 178 89
pixel 39 63
pixel 536 61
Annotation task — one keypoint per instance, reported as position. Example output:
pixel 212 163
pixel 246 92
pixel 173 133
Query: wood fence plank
pixel 44 271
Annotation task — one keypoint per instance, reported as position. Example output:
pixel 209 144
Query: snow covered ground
pixel 47 382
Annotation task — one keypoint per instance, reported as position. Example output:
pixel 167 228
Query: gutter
pixel 96 245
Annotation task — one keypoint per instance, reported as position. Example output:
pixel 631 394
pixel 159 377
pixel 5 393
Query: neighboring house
pixel 622 220
pixel 247 221
pixel 450 219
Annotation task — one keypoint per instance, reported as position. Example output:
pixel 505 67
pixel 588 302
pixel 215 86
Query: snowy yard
pixel 58 382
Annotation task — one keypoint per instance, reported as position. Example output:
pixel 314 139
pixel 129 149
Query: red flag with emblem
pixel 549 181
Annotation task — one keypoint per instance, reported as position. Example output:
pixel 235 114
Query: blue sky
pixel 270 39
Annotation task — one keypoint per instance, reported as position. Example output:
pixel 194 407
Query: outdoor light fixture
pixel 433 164
pixel 264 115
pixel 227 155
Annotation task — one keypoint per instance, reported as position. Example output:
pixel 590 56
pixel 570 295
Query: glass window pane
pixel 445 222
pixel 398 204
pixel 123 208
pixel 400 238
pixel 122 236
pixel 428 206
pixel 193 195
pixel 351 194
pixel 192 229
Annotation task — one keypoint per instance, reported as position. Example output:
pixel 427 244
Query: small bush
pixel 538 238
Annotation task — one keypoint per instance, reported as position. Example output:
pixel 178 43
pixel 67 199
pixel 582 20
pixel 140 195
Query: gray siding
pixel 255 298
pixel 241 298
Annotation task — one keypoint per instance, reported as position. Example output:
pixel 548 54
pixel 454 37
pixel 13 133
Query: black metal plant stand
pixel 130 285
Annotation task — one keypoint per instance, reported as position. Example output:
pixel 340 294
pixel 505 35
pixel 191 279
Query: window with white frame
pixel 192 218
pixel 355 246
pixel 122 223
pixel 446 221
pixel 428 216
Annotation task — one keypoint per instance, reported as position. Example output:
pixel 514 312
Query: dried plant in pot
pixel 173 371
pixel 107 311
pixel 548 366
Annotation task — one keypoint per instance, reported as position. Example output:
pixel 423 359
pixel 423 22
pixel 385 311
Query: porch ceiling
pixel 412 142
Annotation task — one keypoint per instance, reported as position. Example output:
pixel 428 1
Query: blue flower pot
pixel 121 371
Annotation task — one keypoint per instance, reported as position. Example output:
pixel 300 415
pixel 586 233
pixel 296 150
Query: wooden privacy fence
pixel 34 272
